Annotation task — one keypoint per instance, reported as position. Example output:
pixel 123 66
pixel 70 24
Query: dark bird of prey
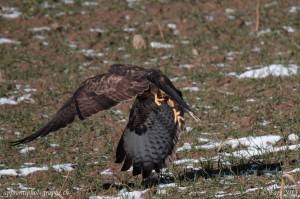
pixel 156 118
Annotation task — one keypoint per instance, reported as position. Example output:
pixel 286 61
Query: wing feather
pixel 96 94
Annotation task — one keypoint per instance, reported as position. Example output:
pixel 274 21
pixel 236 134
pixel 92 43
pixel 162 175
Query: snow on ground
pixel 7 41
pixel 277 70
pixel 274 188
pixel 256 145
pixel 63 167
pixel 185 147
pixel 25 171
pixel 16 99
pixel 91 53
pixel 89 3
pixel 289 29
pixel 28 170
pixel 187 66
pixel 123 194
pixel 40 29
pixel 8 172
pixel 160 45
pixel 9 12
pixel 106 172
pixel 13 100
pixel 293 137
pixel 191 89
pixel 98 30
pixel 27 149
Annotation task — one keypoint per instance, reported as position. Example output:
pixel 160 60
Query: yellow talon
pixel 158 100
pixel 177 116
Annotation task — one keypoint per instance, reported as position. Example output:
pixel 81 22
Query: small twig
pixel 289 177
pixel 160 29
pixel 257 15
pixel 58 194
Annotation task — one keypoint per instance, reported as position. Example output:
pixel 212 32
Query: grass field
pixel 243 83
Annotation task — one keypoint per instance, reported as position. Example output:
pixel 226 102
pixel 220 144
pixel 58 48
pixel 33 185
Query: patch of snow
pixel 27 149
pixel 256 49
pixel 252 142
pixel 17 133
pixel 292 171
pixel 54 145
pixel 29 163
pixel 39 37
pixel 172 26
pixel 123 194
pixel 91 53
pixel 255 141
pixel 5 100
pixel 28 170
pixel 129 29
pixel 9 12
pixel 250 100
pixel 191 89
pixel 161 191
pixel 188 129
pixel 7 41
pixel 167 185
pixel 30 89
pixel 203 139
pixel 185 41
pixel 248 23
pixel 67 1
pixel 270 5
pixel 265 123
pixel 160 45
pixel 96 30
pixel 106 172
pixel 174 79
pixel 251 151
pixel 185 147
pixel 22 187
pixel 277 70
pixel 47 5
pixel 209 18
pixel 89 3
pixel 72 45
pixel 40 29
pixel 294 9
pixel 8 172
pixel 229 10
pixel 293 137
pixel 289 29
pixel 263 32
pixel 231 55
pixel 26 98
pixel 231 17
pixel 210 145
pixel 187 66
pixel 183 161
pixel 232 74
pixel 63 167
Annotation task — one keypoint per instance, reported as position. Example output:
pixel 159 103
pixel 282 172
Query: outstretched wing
pixel 149 140
pixel 98 93
pixel 121 83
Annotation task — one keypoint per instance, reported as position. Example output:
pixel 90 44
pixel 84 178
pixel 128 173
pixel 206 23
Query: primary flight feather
pixel 155 122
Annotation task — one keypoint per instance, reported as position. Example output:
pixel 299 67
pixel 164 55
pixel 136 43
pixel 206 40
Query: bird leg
pixel 177 116
pixel 158 100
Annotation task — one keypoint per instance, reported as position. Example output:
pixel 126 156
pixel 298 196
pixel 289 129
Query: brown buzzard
pixel 155 122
